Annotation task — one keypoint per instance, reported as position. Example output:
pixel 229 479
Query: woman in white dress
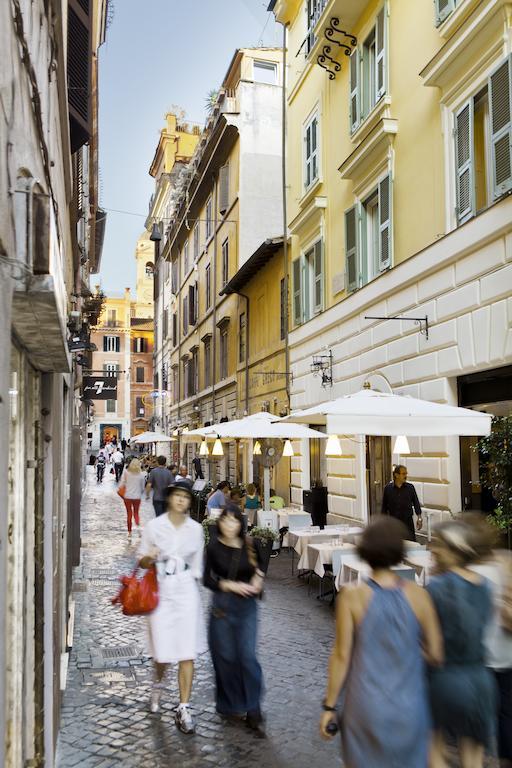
pixel 177 632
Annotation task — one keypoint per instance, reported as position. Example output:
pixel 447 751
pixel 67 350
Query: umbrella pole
pixel 266 488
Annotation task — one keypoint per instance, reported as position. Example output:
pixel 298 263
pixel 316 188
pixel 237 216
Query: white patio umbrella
pixel 378 413
pixel 257 426
pixel 152 437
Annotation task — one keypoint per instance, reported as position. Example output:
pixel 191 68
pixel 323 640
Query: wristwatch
pixel 327 708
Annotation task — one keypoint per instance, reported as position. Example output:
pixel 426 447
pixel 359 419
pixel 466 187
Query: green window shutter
pixel 352 254
pixel 297 297
pixel 443 10
pixel 500 100
pixel 464 159
pixel 385 207
pixel 380 63
pixel 318 277
pixel 354 90
pixel 224 188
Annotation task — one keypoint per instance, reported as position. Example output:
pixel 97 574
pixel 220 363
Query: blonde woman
pixel 133 482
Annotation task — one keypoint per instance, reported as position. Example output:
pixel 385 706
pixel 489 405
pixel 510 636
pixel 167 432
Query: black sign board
pixel 100 387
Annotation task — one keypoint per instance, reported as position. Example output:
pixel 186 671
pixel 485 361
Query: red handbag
pixel 138 596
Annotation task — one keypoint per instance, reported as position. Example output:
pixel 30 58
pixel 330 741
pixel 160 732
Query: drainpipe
pixel 285 223
pixel 215 253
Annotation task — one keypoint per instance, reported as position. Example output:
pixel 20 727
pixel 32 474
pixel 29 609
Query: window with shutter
pixel 165 323
pixel 191 305
pixel 185 315
pixel 352 255
pixel 196 242
pixel 139 375
pixel 225 261
pixel 443 10
pixel 354 90
pixel 500 99
pixel 464 161
pixel 284 313
pixel 224 188
pixel 297 297
pixel 311 156
pixel 380 37
pixel 186 265
pixel 241 337
pixel 208 287
pixel 174 329
pixel 207 363
pixel 209 218
pixel 318 276
pixel 174 276
pixel 385 223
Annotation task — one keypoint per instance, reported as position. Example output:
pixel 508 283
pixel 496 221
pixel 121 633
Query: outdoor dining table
pixel 301 537
pixel 422 563
pixel 319 555
pixel 354 570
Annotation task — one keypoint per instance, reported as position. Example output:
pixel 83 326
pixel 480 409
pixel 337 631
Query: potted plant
pixel 263 539
pixel 498 475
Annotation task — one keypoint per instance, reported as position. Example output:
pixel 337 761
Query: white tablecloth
pixel 317 556
pixel 356 571
pixel 422 563
pixel 285 516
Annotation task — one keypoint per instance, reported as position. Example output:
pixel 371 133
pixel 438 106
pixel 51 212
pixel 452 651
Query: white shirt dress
pixel 177 629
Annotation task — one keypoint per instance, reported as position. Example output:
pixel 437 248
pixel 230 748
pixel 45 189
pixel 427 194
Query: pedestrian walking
pixel 383 628
pixel 251 503
pixel 462 693
pixel 132 480
pixel 219 497
pixel 118 461
pixel 232 572
pixel 109 449
pixel 159 479
pixel 175 543
pixel 101 463
pixel 399 500
pixel 123 445
pixel 496 567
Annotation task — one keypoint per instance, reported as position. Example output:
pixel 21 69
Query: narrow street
pixel 105 719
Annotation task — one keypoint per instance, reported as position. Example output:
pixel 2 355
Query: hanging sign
pixel 100 387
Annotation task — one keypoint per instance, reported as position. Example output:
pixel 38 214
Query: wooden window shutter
pixel 500 100
pixel 352 254
pixel 79 62
pixel 354 90
pixel 118 343
pixel 318 299
pixel 385 208
pixel 464 161
pixel 224 188
pixel 297 296
pixel 443 10
pixel 191 305
pixel 174 329
pixel 380 44
pixel 185 315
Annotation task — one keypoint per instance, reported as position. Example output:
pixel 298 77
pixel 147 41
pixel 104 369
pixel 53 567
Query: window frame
pixel 305 280
pixel 110 409
pixel 196 239
pixel 208 363
pixel 208 286
pixel 223 353
pixel 242 336
pixel 209 219
pixel 309 161
pixel 225 261
pixel 138 380
pixel 107 346
pixel 361 102
pixel 268 65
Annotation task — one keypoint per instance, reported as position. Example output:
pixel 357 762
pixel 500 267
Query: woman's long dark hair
pixel 232 509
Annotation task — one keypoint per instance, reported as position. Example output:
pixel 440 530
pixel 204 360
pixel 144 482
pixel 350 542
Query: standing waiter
pixel 400 498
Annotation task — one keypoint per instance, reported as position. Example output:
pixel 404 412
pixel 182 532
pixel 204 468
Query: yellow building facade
pixel 399 169
pixel 229 206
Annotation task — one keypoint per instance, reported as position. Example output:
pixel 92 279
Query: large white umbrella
pixel 257 426
pixel 151 437
pixel 378 413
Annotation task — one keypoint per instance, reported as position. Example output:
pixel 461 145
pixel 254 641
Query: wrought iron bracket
pixel 322 364
pixel 333 29
pixel 325 57
pixel 421 321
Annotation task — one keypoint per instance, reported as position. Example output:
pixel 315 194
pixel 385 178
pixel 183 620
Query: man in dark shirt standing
pixel 159 479
pixel 400 498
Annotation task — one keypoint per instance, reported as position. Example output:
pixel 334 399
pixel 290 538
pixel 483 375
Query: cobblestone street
pixel 105 719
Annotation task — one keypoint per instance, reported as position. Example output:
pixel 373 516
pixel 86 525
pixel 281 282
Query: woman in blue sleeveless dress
pixel 463 693
pixel 377 658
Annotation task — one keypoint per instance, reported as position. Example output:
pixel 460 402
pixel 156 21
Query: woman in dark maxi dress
pixel 232 572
